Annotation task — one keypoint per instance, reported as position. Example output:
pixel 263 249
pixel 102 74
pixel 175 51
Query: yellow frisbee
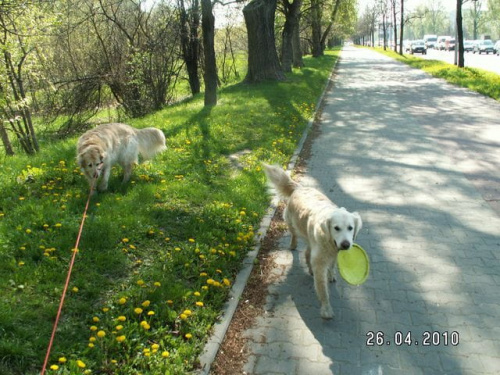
pixel 354 265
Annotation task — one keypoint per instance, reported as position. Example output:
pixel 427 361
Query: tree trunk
pixel 5 140
pixel 402 27
pixel 394 24
pixel 316 28
pixel 459 43
pixel 298 62
pixel 263 61
pixel 292 15
pixel 208 29
pixel 190 43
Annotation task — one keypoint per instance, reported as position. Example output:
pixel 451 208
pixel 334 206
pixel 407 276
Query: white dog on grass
pixel 106 145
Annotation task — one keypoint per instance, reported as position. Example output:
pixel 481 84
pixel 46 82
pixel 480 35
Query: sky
pixel 413 4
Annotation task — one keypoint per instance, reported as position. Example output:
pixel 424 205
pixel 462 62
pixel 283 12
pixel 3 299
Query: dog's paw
pixel 331 277
pixel 327 312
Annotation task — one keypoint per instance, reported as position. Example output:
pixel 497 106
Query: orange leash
pixel 75 250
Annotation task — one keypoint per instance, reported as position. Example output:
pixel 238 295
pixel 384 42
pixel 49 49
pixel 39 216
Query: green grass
pixel 478 80
pixel 170 242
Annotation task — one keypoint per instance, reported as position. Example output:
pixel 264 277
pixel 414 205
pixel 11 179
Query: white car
pixel 496 48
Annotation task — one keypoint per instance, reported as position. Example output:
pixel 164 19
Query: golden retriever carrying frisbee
pixel 106 145
pixel 326 228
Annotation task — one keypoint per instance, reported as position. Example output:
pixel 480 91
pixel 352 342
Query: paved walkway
pixel 420 160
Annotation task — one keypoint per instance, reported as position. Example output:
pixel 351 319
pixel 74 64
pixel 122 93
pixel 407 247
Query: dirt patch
pixel 233 352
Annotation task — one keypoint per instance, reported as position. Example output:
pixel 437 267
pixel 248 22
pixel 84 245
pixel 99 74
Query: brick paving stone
pixel 419 160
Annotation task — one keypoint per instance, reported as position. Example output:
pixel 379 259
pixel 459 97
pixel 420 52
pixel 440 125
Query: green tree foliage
pixel 22 23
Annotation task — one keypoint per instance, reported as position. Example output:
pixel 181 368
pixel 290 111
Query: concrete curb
pixel 219 330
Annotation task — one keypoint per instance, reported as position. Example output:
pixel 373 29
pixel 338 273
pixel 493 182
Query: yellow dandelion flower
pixel 203 274
pixel 75 289
pixel 95 319
pixel 226 282
pixel 62 360
pixel 119 327
pixel 105 309
pixel 191 240
pixel 183 316
pixel 81 364
pixel 199 304
pixel 170 302
pixel 165 354
pixel 146 303
pixel 197 294
pixel 140 282
pixel 210 281
pixel 54 367
pixel 58 225
pixel 121 338
pixel 92 339
pixel 157 284
pixel 151 313
pixel 138 310
pixel 91 345
pixel 155 346
pixel 121 318
pixel 145 325
pixel 93 328
pixel 125 240
pixel 188 335
pixel 204 287
pixel 188 312
pixel 122 301
pixel 101 334
pixel 20 264
pixel 28 231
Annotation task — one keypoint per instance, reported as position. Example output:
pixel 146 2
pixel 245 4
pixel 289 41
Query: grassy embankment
pixel 479 80
pixel 158 255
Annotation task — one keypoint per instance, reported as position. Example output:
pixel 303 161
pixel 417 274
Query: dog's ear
pixel 326 226
pixel 358 224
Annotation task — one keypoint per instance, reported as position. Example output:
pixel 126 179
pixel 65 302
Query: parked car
pixel 418 46
pixel 430 41
pixel 468 45
pixel 496 48
pixel 481 46
pixel 406 45
pixel 449 44
pixel 441 42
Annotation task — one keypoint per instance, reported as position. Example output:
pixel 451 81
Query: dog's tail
pixel 281 180
pixel 151 141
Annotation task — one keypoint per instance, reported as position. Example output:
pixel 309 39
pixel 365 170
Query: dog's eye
pixel 337 228
pixel 350 228
pixel 90 165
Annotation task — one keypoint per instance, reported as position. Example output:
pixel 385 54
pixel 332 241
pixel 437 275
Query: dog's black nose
pixel 344 245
